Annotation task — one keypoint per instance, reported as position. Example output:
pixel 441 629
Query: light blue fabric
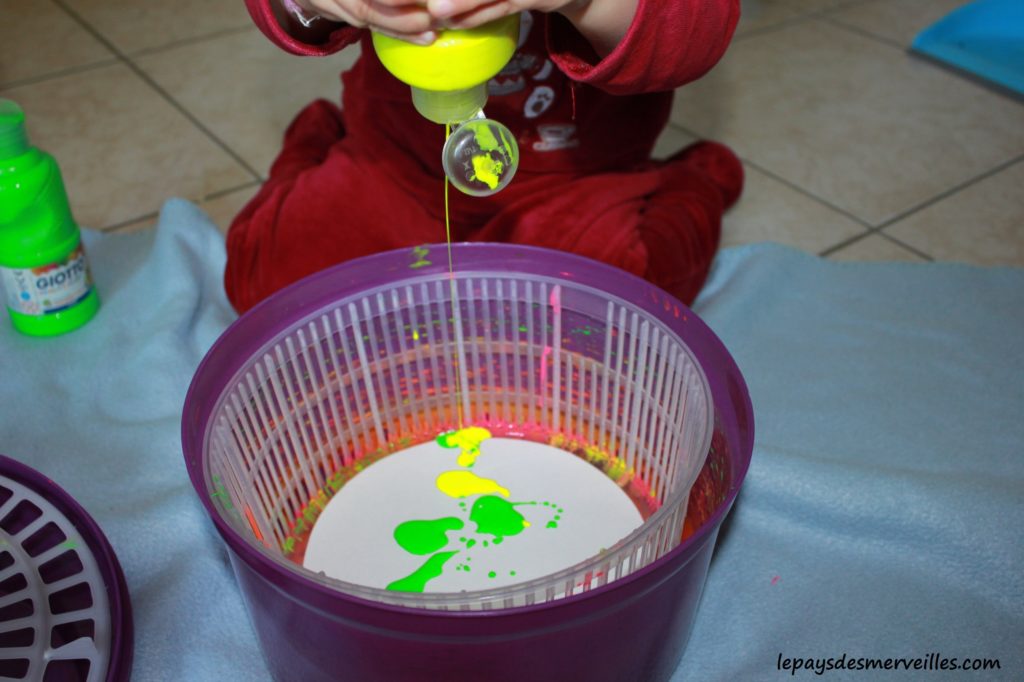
pixel 883 512
pixel 881 517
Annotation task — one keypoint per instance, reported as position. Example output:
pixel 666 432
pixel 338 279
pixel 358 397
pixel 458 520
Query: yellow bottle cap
pixel 459 59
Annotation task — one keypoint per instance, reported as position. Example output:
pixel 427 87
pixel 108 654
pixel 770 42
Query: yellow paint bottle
pixel 449 77
pixel 449 86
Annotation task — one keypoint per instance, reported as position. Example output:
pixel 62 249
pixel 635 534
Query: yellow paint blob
pixel 485 138
pixel 487 170
pixel 468 441
pixel 465 483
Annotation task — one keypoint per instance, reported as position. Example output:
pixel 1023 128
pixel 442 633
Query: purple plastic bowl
pixel 119 664
pixel 634 628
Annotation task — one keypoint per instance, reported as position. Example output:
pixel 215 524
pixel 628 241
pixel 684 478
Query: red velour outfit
pixel 368 178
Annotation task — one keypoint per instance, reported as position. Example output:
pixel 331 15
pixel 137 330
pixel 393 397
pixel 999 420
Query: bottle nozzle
pixel 454 106
pixel 13 138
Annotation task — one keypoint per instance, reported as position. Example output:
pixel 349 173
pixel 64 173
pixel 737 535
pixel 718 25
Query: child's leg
pixel 321 205
pixel 662 224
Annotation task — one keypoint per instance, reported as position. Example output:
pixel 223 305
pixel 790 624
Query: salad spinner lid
pixel 65 614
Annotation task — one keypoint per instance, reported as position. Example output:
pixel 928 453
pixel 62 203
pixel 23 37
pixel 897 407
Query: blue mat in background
pixel 882 515
pixel 984 38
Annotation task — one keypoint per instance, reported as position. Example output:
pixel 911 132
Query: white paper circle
pixel 353 539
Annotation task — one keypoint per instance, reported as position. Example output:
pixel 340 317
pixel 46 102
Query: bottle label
pixel 47 288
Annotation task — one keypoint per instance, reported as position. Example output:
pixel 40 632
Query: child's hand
pixel 603 22
pixel 405 19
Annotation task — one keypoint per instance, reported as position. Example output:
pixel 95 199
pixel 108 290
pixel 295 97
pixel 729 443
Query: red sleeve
pixel 324 38
pixel 669 43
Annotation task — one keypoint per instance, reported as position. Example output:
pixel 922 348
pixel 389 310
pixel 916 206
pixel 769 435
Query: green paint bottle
pixel 43 270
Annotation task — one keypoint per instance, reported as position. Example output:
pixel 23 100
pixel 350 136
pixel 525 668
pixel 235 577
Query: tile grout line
pixel 941 196
pixel 913 249
pixel 849 241
pixel 159 90
pixel 70 71
pixel 945 194
pixel 995 88
pixel 772 28
pixel 864 33
pixel 799 17
pixel 231 190
pixel 119 58
pixel 836 248
pixel 118 226
pixel 869 228
pixel 221 33
pixel 788 183
pixel 114 227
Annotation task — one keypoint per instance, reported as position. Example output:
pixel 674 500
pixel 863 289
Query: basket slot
pixel 338 443
pixel 388 330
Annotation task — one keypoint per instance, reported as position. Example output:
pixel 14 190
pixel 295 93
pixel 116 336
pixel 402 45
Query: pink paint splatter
pixel 555 299
pixel 775 580
pixel 544 371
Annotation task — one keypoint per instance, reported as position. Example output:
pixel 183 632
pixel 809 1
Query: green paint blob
pixel 425 537
pixel 552 524
pixel 496 516
pixel 492 574
pixel 416 582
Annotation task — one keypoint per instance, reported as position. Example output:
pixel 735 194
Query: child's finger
pixel 479 16
pixel 425 38
pixel 468 9
pixel 399 18
pixel 405 18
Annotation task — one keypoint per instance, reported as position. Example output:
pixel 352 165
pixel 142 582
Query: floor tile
pixel 822 5
pixel 122 148
pixel 760 14
pixel 134 25
pixel 26 55
pixel 876 248
pixel 245 89
pixel 756 15
pixel 768 210
pixel 896 20
pixel 141 225
pixel 223 209
pixel 982 224
pixel 854 121
pixel 672 139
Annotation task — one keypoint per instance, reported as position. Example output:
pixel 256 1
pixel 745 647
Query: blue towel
pixel 881 517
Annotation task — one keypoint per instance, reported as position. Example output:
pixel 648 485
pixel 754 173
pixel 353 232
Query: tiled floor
pixel 854 149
